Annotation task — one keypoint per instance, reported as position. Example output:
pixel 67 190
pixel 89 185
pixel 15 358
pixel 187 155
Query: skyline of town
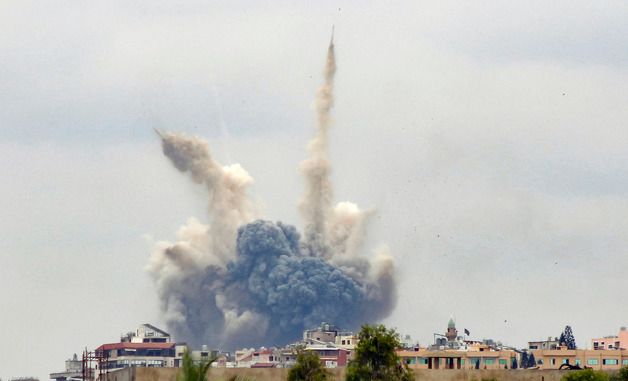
pixel 449 350
pixel 437 158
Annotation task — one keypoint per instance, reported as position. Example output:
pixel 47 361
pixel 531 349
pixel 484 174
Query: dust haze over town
pixel 489 139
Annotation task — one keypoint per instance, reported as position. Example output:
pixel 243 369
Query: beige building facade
pixel 612 342
pixel 594 359
pixel 472 359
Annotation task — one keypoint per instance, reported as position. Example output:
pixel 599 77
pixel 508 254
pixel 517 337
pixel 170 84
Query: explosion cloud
pixel 244 281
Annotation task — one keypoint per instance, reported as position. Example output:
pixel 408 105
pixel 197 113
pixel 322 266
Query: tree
pixel 531 361
pixel 308 368
pixel 622 375
pixel 191 371
pixel 585 375
pixel 524 360
pixel 376 357
pixel 567 339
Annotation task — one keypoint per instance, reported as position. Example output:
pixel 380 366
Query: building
pixel 73 370
pixel 251 358
pixel 600 359
pixel 146 333
pixel 286 357
pixel 205 354
pixel 331 356
pixel 612 342
pixel 346 340
pixel 244 358
pixel 544 344
pixel 452 332
pixel 480 358
pixel 123 355
pixel 325 333
pixel 451 351
pixel 450 340
pixel 148 346
pixel 334 346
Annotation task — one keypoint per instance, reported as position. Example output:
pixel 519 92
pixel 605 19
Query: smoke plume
pixel 245 281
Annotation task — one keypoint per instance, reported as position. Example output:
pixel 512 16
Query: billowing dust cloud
pixel 244 281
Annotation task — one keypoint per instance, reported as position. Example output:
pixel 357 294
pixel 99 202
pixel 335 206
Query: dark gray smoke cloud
pixel 243 281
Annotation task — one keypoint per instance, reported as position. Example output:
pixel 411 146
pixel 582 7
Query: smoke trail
pixel 229 206
pixel 316 203
pixel 328 231
pixel 245 282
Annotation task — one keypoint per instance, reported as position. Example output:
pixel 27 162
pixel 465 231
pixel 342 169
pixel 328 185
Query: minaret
pixel 452 332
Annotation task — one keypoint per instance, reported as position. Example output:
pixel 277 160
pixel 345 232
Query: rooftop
pixel 126 345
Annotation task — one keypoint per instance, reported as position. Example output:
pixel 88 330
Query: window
pixel 502 362
pixel 592 362
pixel 578 362
pixel 462 362
pixel 539 362
pixel 344 342
pixel 609 362
pixel 624 362
pixel 423 361
pixel 553 361
pixel 489 361
pixel 565 361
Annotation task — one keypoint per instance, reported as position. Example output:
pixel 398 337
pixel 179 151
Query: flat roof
pixel 107 347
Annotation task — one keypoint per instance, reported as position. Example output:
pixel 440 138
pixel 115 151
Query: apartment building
pixel 600 359
pixel 420 358
pixel 612 342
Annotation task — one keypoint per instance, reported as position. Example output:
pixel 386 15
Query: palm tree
pixel 190 371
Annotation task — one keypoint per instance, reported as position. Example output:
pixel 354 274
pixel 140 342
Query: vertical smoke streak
pixel 316 204
pixel 337 231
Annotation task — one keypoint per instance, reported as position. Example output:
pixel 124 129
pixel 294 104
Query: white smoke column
pixel 338 233
pixel 179 269
pixel 347 229
pixel 229 206
pixel 328 231
pixel 316 204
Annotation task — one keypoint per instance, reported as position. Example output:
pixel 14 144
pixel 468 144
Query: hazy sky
pixel 491 136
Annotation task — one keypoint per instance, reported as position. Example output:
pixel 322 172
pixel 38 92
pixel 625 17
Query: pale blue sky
pixel 490 136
